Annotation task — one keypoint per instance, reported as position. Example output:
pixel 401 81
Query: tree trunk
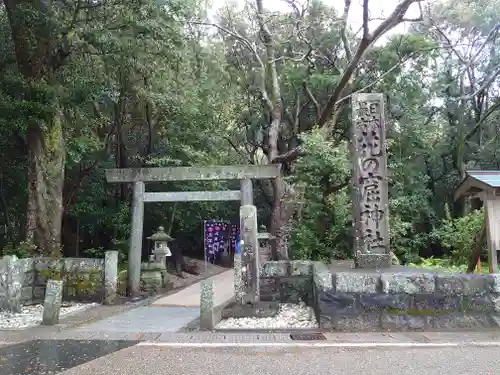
pixel 38 55
pixel 276 227
pixel 46 161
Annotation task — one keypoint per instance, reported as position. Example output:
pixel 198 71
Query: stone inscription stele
pixel 370 176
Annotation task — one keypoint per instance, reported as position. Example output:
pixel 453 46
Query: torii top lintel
pixel 225 172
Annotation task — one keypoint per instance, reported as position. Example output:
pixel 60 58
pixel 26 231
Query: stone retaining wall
pixel 399 298
pixel 286 282
pixel 23 281
pixel 406 299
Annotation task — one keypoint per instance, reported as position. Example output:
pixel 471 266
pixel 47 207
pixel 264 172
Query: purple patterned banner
pixel 219 235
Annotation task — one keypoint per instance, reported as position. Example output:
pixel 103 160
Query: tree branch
pixel 288 156
pixel 253 48
pixel 366 30
pixel 311 97
pixel 343 30
pixel 396 17
pixel 481 88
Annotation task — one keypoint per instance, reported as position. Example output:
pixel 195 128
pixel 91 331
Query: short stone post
pixel 207 305
pixel 52 303
pixel 249 254
pixel 13 282
pixel 110 277
pixel 238 281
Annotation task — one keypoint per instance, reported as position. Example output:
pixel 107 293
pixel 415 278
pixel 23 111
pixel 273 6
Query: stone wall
pixel 286 282
pixel 84 278
pixel 406 299
pixel 399 298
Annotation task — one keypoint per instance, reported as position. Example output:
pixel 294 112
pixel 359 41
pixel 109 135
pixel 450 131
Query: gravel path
pixel 289 316
pixel 32 315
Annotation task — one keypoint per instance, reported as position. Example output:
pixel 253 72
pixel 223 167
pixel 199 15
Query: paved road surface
pixel 139 360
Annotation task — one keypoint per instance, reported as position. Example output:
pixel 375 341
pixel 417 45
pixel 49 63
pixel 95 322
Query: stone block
pixel 84 264
pixel 332 304
pixel 467 285
pixel 436 302
pixel 407 283
pixel 27 294
pixel 373 261
pixel 356 323
pixel 301 268
pixel 495 320
pixel 460 321
pixel 52 302
pixel 294 289
pixel 28 278
pixel 275 269
pixel 26 265
pixel 269 289
pixel 396 322
pixel 110 277
pixel 151 277
pixel 351 282
pixel 481 303
pixel 322 277
pixel 45 268
pixel 207 305
pixel 38 293
pixel 495 282
pixel 380 302
pixel 325 321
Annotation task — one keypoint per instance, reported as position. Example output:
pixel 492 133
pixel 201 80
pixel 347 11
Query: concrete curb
pixel 333 345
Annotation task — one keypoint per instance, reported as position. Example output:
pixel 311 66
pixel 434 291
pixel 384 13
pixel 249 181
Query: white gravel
pixel 289 316
pixel 32 315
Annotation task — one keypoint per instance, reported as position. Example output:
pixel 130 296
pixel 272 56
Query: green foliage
pixel 444 264
pixel 21 250
pixel 321 232
pixel 140 87
pixel 458 235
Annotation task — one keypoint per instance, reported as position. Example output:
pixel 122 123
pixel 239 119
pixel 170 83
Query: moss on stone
pixel 418 312
pixel 86 282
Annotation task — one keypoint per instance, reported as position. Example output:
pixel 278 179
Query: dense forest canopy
pixel 89 85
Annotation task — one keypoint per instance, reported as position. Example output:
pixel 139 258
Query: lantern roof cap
pixel 160 235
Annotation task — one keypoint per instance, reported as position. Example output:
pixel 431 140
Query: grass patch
pixel 418 312
pixel 443 264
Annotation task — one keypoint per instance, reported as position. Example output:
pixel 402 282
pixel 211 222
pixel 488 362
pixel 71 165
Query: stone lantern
pixel 265 240
pixel 160 246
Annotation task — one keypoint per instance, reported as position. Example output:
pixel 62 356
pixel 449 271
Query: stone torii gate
pixel 139 176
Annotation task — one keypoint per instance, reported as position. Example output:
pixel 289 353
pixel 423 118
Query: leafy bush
pixel 321 230
pixel 445 264
pixel 458 235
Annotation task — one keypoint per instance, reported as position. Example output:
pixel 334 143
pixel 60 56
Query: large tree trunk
pixel 46 160
pixel 38 55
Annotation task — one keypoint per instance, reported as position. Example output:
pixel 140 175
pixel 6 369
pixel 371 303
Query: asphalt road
pixel 141 360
